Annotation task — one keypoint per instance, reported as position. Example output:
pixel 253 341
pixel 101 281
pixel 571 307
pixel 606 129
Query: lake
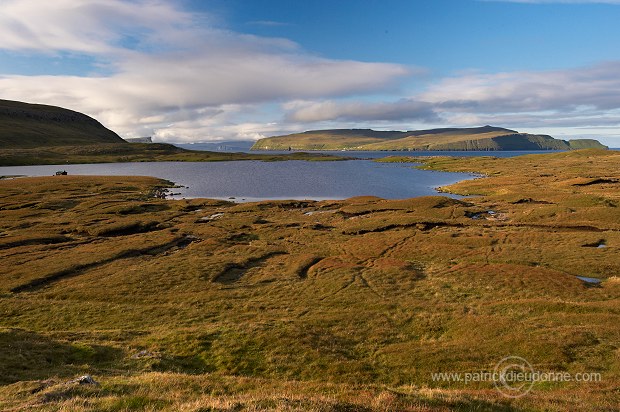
pixel 254 180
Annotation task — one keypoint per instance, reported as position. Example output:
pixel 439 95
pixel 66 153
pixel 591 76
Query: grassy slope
pixel 481 138
pixel 267 307
pixel 578 144
pixel 34 125
pixel 325 140
pixel 432 141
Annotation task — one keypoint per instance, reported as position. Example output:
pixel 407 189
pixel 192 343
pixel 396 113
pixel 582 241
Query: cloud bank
pixel 401 110
pixel 588 96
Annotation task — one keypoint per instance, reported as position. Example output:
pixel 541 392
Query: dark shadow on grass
pixel 26 355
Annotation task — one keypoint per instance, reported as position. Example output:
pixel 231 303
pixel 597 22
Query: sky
pixel 221 70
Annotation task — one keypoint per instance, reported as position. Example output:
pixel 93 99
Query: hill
pixel 24 125
pixel 476 138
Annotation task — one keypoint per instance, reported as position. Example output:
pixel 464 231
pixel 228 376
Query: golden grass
pixel 349 307
pixel 153 391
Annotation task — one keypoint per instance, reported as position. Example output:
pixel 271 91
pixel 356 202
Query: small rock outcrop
pixel 84 380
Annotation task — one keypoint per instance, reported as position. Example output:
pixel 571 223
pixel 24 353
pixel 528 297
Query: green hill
pixel 24 125
pixel 477 138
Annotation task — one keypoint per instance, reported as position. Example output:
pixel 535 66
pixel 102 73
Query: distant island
pixel 458 139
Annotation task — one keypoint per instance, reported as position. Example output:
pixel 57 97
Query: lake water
pixel 593 281
pixel 254 180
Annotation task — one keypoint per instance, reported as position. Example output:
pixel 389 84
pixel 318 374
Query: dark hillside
pixel 35 125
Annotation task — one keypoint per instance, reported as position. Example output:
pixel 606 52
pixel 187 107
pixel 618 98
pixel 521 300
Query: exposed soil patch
pixel 244 238
pixel 598 181
pixel 417 225
pixel 45 240
pixel 531 201
pixel 128 229
pixel 303 270
pixel 598 244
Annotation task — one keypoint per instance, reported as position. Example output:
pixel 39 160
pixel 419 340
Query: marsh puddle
pixel 597 245
pixel 592 281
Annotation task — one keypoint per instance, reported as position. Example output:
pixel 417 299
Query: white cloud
pixel 586 96
pixel 575 97
pixel 268 23
pixel 401 110
pixel 165 61
pixel 90 26
pixel 224 75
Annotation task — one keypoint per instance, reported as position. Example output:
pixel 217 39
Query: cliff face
pixel 34 125
pixel 464 139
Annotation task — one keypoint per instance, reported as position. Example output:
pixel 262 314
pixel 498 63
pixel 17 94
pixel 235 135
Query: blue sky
pixel 201 70
pixel 442 35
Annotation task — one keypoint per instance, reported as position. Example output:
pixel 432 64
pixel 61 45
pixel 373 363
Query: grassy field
pixel 134 152
pixel 205 305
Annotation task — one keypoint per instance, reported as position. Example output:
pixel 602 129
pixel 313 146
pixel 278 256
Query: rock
pixel 145 354
pixel 160 193
pixel 210 218
pixel 85 380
